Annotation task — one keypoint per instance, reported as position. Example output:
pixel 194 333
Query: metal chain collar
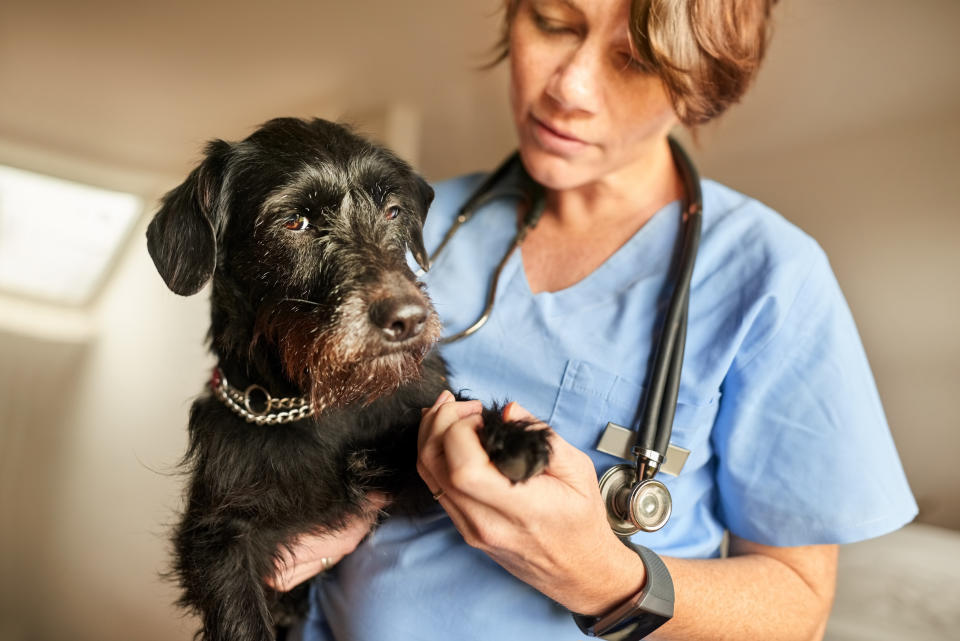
pixel 294 409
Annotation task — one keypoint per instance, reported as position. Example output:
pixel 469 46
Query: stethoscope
pixel 634 499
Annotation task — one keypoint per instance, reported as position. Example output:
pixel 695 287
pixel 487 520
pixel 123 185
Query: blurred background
pixel 852 131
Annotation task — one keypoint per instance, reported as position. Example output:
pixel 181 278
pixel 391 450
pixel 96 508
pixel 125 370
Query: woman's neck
pixel 633 193
pixel 584 226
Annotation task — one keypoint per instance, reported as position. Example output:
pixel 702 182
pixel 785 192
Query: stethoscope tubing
pixel 533 194
pixel 658 408
pixel 656 424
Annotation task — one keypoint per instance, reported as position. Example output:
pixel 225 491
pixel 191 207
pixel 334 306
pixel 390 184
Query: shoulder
pixel 798 399
pixel 762 251
pixel 746 231
pixel 768 274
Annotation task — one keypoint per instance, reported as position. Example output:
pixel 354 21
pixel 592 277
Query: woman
pixel 789 447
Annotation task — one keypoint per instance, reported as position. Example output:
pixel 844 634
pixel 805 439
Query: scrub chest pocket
pixel 591 396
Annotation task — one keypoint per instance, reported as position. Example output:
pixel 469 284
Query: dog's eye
pixel 392 212
pixel 296 223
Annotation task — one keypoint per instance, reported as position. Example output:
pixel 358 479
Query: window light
pixel 57 238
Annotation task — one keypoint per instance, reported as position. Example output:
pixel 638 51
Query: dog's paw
pixel 519 450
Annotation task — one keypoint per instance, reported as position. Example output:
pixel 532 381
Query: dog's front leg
pixel 220 563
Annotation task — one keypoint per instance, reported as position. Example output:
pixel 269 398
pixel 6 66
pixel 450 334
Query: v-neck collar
pixel 647 251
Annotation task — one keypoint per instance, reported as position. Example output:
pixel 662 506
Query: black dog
pixel 324 340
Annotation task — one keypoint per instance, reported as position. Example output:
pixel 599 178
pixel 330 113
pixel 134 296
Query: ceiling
pixel 143 84
pixel 137 86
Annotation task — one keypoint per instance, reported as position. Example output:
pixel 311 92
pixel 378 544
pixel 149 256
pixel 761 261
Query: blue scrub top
pixel 789 443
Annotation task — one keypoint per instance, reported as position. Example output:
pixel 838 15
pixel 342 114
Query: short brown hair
pixel 706 52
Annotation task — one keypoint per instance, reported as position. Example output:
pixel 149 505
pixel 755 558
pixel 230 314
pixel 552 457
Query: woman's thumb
pixel 516 412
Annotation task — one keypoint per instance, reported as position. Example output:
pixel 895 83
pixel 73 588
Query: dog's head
pixel 303 228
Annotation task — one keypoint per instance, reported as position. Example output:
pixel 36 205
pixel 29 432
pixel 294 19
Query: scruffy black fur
pixel 303 229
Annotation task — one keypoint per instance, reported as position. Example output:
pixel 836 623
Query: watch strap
pixel 642 613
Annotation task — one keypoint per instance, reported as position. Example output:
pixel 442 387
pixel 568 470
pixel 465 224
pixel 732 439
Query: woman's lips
pixel 555 140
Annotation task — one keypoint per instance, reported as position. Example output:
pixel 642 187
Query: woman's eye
pixel 391 212
pixel 296 223
pixel 547 25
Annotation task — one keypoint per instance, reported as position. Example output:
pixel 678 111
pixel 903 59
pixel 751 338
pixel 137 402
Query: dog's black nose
pixel 398 318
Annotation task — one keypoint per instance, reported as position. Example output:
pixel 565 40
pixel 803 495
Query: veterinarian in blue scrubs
pixel 790 450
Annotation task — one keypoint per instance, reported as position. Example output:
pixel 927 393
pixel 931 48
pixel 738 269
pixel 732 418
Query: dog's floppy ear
pixel 423 195
pixel 182 237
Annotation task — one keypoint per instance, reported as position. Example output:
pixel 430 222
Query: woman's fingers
pixel 482 503
pixel 293 568
pixel 470 468
pixel 435 422
pixel 445 410
pixel 433 463
pixel 311 554
pixel 463 419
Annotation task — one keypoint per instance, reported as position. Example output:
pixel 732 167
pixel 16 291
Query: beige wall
pixel 99 430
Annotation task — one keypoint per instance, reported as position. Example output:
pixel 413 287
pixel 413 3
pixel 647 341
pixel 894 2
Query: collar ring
pixel 248 402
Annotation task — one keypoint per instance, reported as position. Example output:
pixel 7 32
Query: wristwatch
pixel 643 613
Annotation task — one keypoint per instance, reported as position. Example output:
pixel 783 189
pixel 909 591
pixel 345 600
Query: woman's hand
pixel 311 554
pixel 550 531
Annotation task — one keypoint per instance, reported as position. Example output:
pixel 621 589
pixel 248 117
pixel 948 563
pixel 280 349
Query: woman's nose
pixel 574 84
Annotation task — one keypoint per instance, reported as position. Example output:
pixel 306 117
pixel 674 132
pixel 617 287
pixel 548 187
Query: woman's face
pixel 584 106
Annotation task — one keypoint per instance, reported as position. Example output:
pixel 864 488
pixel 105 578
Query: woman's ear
pixel 182 237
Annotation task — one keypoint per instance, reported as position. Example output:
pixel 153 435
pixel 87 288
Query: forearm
pixel 752 596
pixel 572 556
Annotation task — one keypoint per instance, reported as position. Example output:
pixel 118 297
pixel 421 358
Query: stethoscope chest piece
pixel 631 506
